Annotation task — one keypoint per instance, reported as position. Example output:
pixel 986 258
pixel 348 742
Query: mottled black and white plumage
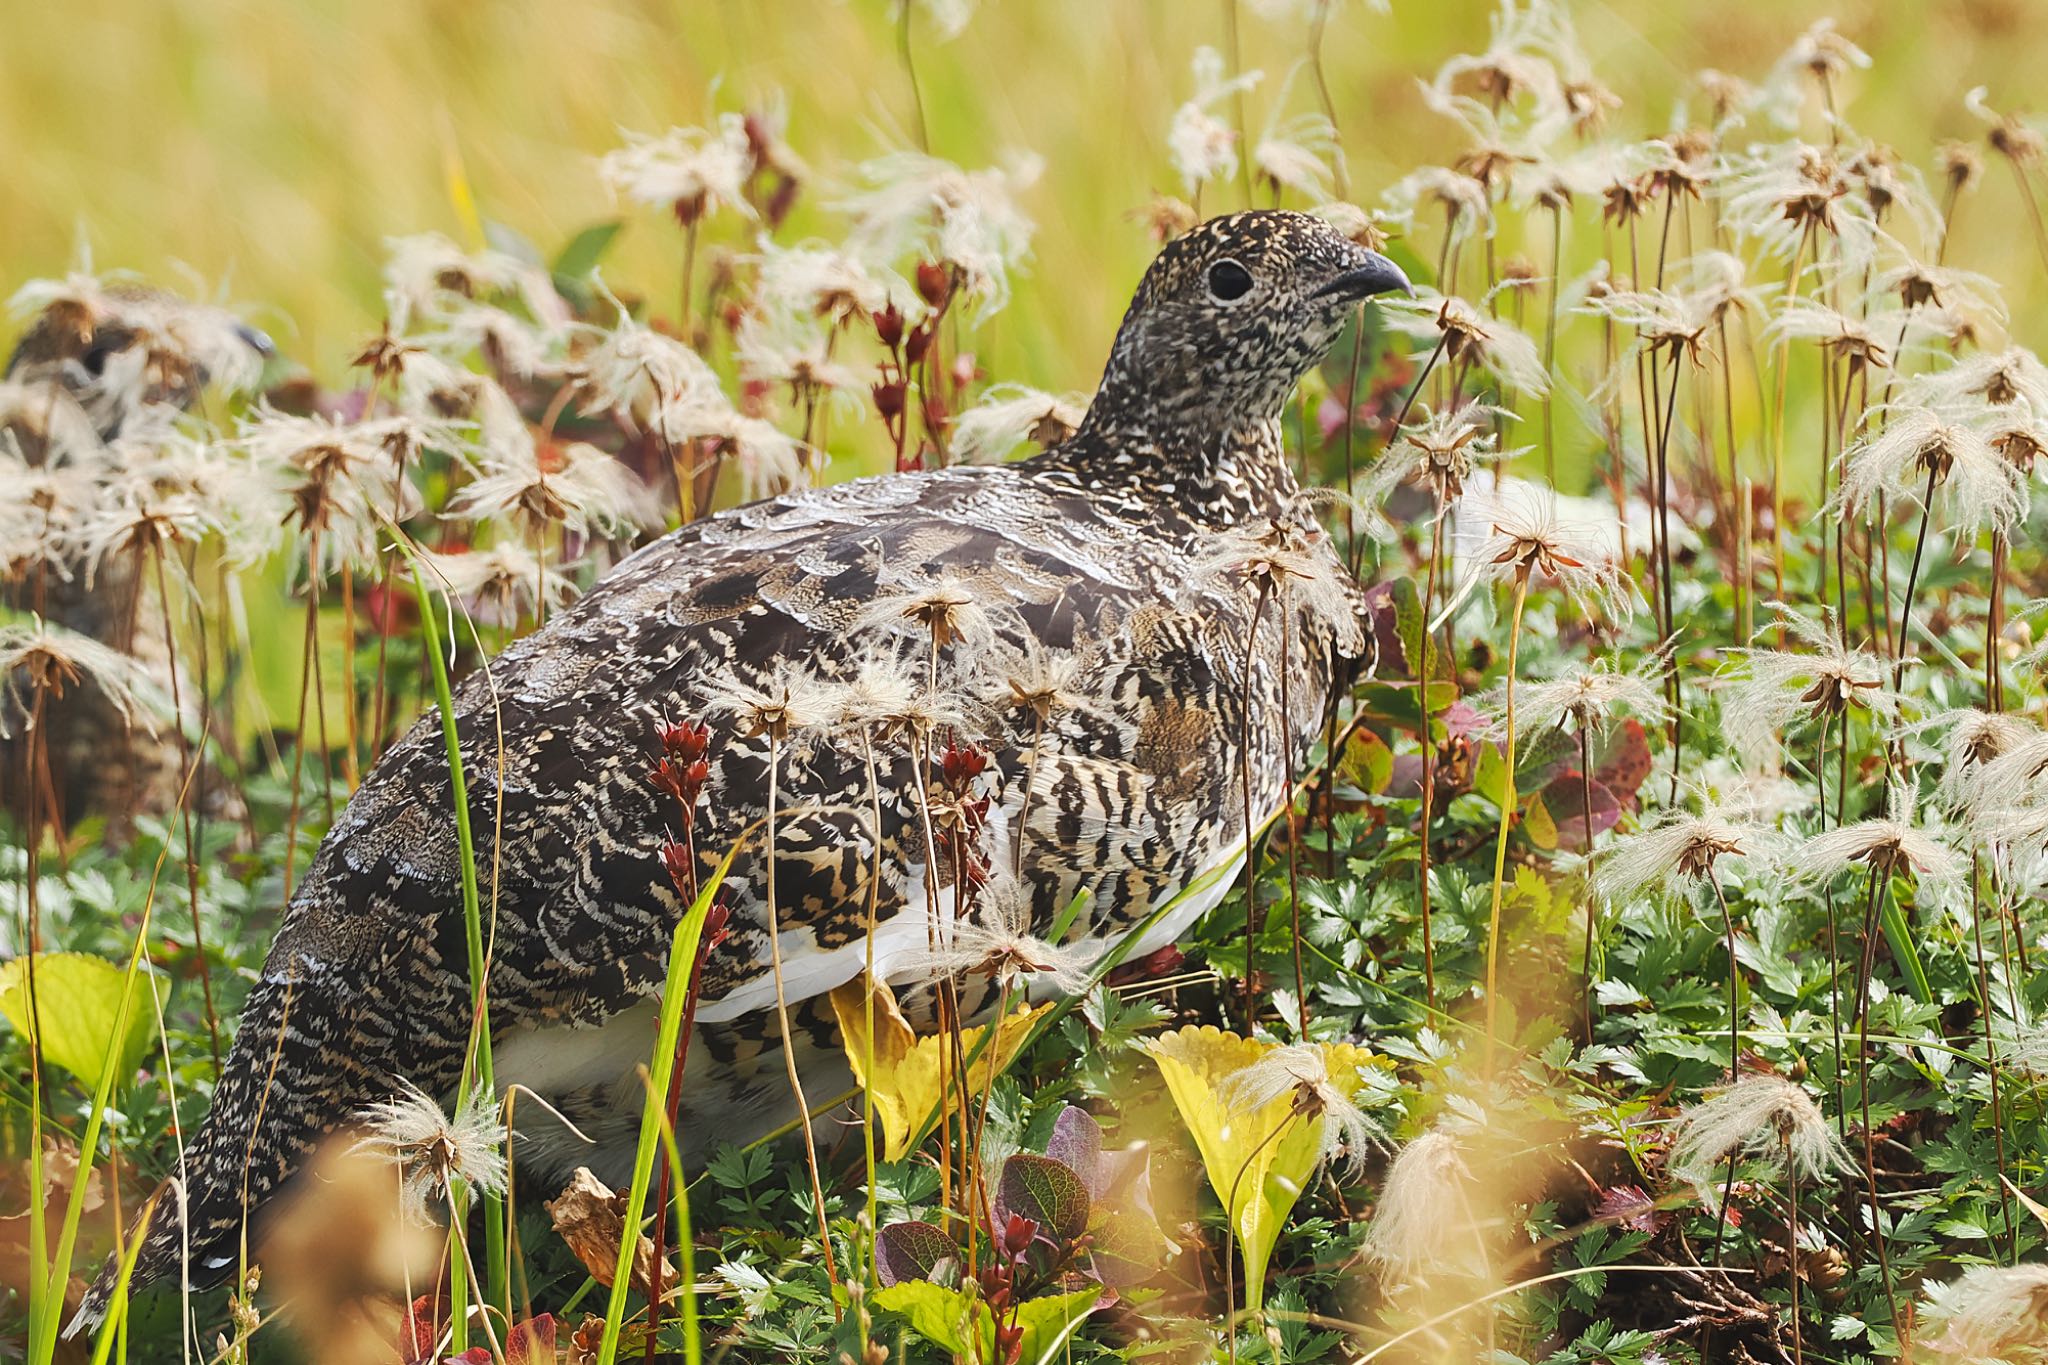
pixel 1096 547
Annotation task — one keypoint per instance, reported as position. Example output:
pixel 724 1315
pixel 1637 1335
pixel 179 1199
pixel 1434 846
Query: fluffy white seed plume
pixel 1680 851
pixel 918 204
pixel 693 171
pixel 1918 451
pixel 428 276
pixel 2001 378
pixel 1009 415
pixel 816 280
pixel 1990 1313
pixel 1301 1072
pixel 1971 741
pixel 343 478
pixel 1592 697
pixel 433 1151
pixel 1297 153
pixel 1420 1226
pixel 1773 689
pixel 1517 532
pixel 575 486
pixel 654 379
pixel 1438 193
pixel 1289 563
pixel 1470 336
pixel 508 577
pixel 1438 450
pixel 789 702
pixel 1761 1116
pixel 1889 845
pixel 998 943
pixel 40 658
pixel 1203 146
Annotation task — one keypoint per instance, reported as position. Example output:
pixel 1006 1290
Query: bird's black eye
pixel 1229 281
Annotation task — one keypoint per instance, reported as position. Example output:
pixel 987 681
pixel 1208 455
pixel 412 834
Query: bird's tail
pixel 285 1085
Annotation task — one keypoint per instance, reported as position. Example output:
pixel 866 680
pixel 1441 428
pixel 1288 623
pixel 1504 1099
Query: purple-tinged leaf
pixel 911 1251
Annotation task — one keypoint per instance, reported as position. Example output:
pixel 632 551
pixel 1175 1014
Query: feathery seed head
pixel 1822 680
pixel 433 1151
pixel 1009 414
pixel 1416 1228
pixel 1759 1115
pixel 689 171
pixel 1301 1071
pixel 45 659
pixel 1919 450
pixel 1990 1313
pixel 1680 851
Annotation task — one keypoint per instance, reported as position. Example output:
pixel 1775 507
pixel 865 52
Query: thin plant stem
pixel 796 1084
pixel 1913 580
pixel 1792 1244
pixel 1991 1058
pixel 187 759
pixel 1734 1045
pixel 1586 1001
pixel 1879 884
pixel 1436 558
pixel 1251 863
pixel 1507 816
pixel 903 49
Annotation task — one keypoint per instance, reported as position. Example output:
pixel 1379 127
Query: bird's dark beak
pixel 256 340
pixel 1377 275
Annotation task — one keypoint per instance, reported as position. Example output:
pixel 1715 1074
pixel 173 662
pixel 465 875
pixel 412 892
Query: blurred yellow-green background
pixel 263 151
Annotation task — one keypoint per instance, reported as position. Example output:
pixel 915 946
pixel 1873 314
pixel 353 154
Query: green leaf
pixel 78 997
pixel 1046 1191
pixel 1049 1321
pixel 1900 936
pixel 1368 764
pixel 585 250
pixel 948 1318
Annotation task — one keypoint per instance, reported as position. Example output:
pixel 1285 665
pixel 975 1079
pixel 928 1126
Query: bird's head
pixel 1231 315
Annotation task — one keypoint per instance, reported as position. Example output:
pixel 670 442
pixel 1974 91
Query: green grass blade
pixel 682 961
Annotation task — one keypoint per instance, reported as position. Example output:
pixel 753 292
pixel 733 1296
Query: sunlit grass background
pixel 264 151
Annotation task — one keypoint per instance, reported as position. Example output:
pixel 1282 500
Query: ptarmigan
pixel 1101 553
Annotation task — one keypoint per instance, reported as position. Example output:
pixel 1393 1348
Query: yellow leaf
pixel 914 1075
pixel 1538 824
pixel 1257 1161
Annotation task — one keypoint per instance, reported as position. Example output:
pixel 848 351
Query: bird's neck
pixel 1213 473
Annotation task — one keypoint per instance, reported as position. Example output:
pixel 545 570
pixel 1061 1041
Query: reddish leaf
pixel 1624 761
pixel 531 1342
pixel 911 1251
pixel 1566 798
pixel 1632 1207
pixel 1047 1192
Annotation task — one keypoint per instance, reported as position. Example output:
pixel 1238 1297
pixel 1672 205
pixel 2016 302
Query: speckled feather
pixel 1093 547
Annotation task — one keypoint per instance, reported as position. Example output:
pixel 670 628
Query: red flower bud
pixel 1018 1234
pixel 689 210
pixel 889 399
pixel 934 283
pixel 781 202
pixel 676 858
pixel 889 327
pixel 918 342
